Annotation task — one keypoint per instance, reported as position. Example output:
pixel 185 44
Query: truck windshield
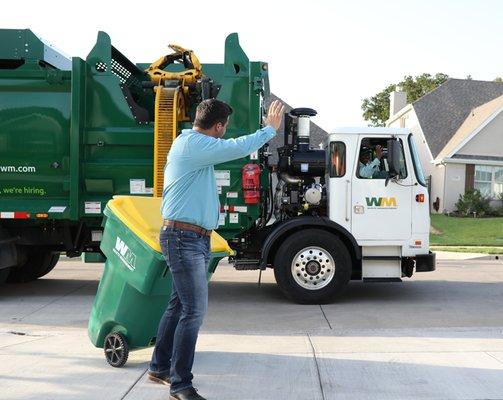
pixel 418 169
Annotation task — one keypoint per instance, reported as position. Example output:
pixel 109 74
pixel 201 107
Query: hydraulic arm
pixel 172 101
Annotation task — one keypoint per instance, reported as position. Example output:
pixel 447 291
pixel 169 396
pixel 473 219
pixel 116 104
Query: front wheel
pixel 312 266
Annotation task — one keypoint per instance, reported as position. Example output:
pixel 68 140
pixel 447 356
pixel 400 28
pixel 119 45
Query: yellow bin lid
pixel 142 216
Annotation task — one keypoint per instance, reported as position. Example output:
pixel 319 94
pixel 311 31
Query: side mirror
pixel 394 154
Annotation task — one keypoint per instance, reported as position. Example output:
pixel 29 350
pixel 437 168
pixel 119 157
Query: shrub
pixel 499 210
pixel 473 202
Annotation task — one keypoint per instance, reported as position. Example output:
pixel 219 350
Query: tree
pixel 498 79
pixel 376 108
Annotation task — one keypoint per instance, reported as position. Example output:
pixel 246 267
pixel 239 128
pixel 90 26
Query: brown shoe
pixel 162 379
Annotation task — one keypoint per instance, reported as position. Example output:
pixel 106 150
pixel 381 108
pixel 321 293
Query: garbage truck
pixel 76 132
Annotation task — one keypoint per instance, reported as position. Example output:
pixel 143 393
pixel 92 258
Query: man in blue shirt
pixel 190 208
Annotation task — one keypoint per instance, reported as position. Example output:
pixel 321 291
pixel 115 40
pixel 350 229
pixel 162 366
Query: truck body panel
pixel 73 138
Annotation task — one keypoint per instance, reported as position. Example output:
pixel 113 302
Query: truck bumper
pixel 425 262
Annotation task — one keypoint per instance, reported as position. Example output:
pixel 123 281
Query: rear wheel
pixel 4 273
pixel 37 263
pixel 8 255
pixel 312 266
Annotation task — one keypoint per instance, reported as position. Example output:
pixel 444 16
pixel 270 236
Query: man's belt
pixel 187 226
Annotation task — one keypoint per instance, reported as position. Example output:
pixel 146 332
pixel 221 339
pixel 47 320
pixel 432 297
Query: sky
pixel 327 55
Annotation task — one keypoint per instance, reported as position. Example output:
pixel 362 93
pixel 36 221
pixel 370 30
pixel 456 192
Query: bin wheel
pixel 116 349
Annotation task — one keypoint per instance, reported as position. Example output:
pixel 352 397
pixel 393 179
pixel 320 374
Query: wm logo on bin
pixel 125 254
pixel 381 202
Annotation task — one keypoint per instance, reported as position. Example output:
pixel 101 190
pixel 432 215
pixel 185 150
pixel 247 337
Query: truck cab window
pixel 373 159
pixel 337 159
pixel 416 162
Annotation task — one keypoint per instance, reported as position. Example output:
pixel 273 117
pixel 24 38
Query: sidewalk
pixel 453 255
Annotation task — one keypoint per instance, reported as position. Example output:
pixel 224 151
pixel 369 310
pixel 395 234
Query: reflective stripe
pixel 14 215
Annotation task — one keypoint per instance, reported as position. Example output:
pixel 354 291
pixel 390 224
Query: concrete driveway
pixel 436 336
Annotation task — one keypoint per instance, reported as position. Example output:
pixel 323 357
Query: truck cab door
pixel 379 212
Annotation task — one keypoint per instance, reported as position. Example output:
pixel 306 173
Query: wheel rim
pixel 313 268
pixel 114 350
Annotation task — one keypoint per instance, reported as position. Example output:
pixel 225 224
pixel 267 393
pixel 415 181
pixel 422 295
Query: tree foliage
pixel 376 108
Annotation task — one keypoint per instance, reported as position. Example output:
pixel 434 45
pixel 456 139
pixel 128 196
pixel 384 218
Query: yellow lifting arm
pixel 165 127
pixel 191 74
pixel 171 104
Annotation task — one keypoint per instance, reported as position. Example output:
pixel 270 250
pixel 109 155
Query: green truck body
pixel 75 132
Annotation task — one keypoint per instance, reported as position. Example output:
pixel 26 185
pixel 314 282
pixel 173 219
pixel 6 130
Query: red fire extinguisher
pixel 251 183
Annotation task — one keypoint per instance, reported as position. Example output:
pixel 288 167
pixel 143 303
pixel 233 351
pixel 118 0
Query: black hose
pixel 271 201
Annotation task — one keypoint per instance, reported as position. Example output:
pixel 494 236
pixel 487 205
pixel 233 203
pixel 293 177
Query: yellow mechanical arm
pixel 171 103
pixel 191 74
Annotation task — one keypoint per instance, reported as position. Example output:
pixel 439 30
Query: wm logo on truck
pixel 125 254
pixel 381 202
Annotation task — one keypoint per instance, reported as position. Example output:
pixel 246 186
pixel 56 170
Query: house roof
pixel 442 111
pixel 318 135
pixel 476 157
pixel 474 121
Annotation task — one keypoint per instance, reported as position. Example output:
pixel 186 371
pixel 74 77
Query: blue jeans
pixel 187 254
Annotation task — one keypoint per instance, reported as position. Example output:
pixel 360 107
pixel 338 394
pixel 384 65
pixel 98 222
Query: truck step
pixel 244 265
pixel 375 280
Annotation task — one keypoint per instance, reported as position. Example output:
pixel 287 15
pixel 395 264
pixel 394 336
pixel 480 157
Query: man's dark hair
pixel 211 111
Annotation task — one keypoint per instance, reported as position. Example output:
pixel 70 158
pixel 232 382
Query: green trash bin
pixel 136 284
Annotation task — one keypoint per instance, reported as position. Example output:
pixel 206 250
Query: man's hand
pixel 275 114
pixel 378 151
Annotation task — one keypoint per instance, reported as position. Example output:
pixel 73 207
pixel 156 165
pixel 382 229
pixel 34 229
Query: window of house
pixel 404 121
pixel 498 181
pixel 370 166
pixel 489 180
pixel 337 159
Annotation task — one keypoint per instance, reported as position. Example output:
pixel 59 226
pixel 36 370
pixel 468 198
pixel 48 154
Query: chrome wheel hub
pixel 313 268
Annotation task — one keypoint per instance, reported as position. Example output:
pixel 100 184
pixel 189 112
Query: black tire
pixel 317 280
pixel 4 273
pixel 38 262
pixel 53 259
pixel 116 349
pixel 11 250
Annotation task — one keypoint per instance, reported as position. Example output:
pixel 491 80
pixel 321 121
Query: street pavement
pixel 438 335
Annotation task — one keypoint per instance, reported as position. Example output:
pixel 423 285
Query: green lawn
pixel 466 231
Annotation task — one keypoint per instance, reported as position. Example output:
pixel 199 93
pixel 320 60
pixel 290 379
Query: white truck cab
pixel 358 209
pixel 387 214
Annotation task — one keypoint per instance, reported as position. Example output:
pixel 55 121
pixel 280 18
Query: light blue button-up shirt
pixel 190 189
pixel 366 171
